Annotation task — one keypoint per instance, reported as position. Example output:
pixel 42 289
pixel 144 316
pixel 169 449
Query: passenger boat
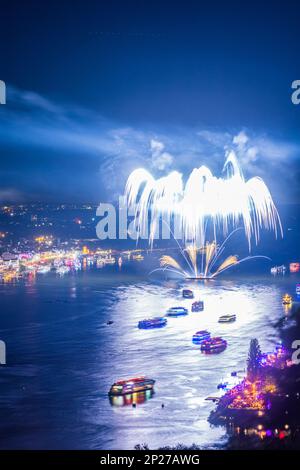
pixel 213 345
pixel 227 318
pixel 133 385
pixel 177 311
pixel 287 299
pixel 187 294
pixel 201 336
pixel 198 306
pixel 157 322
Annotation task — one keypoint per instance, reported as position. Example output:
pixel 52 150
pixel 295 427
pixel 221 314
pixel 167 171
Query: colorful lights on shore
pixel 45 259
pixel 253 395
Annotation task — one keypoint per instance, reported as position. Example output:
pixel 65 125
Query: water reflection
pixel 58 328
pixel 131 399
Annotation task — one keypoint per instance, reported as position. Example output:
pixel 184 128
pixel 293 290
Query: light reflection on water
pixel 132 399
pixel 63 358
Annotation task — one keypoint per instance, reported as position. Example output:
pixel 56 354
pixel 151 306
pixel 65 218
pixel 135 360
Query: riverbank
pixel 265 413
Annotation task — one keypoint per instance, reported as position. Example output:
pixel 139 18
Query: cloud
pixel 160 159
pixel 252 154
pixel 216 138
pixel 240 140
pixel 262 149
pixel 65 151
pixel 10 195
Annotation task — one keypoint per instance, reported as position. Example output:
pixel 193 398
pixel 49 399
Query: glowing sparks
pixel 205 206
pixel 169 261
pixel 230 261
pixel 200 263
pixel 204 209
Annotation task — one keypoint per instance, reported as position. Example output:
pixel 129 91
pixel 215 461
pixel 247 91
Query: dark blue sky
pixel 96 88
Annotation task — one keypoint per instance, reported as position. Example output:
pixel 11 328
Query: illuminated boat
pixel 177 311
pixel 187 294
pixel 133 385
pixel 287 299
pixel 201 336
pixel 157 322
pixel 213 345
pixel 198 306
pixel 227 318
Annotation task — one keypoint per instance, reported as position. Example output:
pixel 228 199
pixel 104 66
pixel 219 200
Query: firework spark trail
pixel 210 254
pixel 192 254
pixel 230 261
pixel 205 202
pixel 169 261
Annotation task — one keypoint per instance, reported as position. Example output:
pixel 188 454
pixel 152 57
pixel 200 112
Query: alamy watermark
pixel 126 222
pixel 2 353
pixel 2 92
pixel 296 354
pixel 296 94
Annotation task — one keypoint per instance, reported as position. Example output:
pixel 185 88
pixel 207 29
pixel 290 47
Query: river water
pixel 62 357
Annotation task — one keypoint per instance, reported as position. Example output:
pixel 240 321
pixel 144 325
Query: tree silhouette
pixel 253 362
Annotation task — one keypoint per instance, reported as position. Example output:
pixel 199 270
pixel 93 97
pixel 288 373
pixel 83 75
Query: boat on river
pixel 177 311
pixel 187 294
pixel 132 385
pixel 213 345
pixel 198 306
pixel 227 318
pixel 287 299
pixel 201 336
pixel 157 322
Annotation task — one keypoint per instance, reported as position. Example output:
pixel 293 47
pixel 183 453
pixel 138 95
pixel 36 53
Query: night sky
pixel 98 88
